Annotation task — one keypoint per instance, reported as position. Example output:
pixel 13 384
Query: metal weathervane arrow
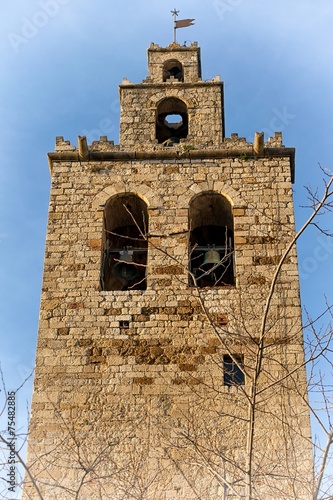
pixel 182 23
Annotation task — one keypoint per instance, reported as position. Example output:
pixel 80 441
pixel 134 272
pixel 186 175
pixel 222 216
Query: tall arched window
pixel 173 69
pixel 211 259
pixel 171 121
pixel 124 257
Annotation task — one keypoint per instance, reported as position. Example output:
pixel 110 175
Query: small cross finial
pixel 175 13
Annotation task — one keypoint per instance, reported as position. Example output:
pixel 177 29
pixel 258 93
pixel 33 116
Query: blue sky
pixel 61 63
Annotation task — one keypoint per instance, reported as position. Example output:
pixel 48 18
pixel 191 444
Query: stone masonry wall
pixel 137 125
pixel 188 56
pixel 126 380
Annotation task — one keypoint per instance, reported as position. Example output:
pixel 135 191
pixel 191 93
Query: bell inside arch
pixel 126 269
pixel 212 260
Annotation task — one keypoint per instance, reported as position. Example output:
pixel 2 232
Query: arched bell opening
pixel 211 259
pixel 171 121
pixel 124 258
pixel 173 70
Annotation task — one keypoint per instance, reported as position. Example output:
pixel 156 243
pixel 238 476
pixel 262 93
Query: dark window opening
pixel 233 370
pixel 124 258
pixel 211 259
pixel 124 325
pixel 171 121
pixel 173 70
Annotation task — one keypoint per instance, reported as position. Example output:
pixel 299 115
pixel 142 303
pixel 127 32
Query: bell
pixel 125 270
pixel 211 259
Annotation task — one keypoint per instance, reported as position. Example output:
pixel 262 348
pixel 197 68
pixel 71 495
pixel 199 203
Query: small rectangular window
pixel 233 370
pixel 124 324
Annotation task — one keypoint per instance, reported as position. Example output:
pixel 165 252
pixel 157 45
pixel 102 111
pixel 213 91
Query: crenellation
pixel 62 145
pixel 275 141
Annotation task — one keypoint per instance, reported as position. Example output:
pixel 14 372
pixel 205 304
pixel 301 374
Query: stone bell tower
pixel 163 369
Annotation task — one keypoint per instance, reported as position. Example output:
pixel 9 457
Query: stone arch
pixel 146 193
pixel 220 188
pixel 173 69
pixel 171 120
pixel 124 243
pixel 211 239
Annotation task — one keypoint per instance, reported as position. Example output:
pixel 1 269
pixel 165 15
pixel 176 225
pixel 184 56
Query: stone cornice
pixel 245 153
pixel 170 84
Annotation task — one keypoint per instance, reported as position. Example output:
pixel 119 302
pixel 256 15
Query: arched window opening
pixel 124 258
pixel 171 121
pixel 173 70
pixel 211 259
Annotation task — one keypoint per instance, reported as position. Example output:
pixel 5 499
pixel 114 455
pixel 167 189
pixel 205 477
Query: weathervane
pixel 182 23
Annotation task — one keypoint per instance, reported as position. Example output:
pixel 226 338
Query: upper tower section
pixel 174 64
pixel 172 104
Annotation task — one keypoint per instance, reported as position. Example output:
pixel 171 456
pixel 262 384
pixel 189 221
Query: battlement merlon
pixel 233 147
